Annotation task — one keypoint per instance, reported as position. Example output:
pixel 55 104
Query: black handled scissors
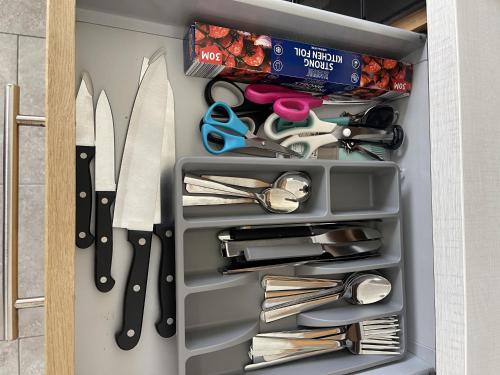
pixel 251 114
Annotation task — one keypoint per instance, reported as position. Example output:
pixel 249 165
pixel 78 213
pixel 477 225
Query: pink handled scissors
pixel 289 104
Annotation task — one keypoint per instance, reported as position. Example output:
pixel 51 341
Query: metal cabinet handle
pixel 11 211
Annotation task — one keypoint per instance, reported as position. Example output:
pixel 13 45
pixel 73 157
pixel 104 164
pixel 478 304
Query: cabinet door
pixel 60 188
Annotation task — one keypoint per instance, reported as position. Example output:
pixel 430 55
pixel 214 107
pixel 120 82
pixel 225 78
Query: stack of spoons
pixel 284 195
pixel 287 295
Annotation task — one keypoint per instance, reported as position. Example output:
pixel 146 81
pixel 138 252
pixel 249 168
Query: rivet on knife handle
pixel 135 292
pixel 166 325
pixel 104 241
pixel 84 154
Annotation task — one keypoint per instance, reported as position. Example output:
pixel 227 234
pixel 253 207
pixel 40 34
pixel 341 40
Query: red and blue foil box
pixel 211 51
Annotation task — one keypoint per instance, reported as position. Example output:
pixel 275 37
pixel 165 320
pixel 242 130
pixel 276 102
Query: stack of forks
pixel 372 337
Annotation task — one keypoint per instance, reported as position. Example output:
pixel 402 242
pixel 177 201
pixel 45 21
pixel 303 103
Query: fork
pixel 369 337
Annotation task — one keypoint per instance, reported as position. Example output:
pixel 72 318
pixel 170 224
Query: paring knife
pixel 164 221
pixel 105 187
pixel 85 150
pixel 137 191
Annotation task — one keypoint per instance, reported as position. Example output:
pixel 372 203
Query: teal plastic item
pixel 231 142
pixel 361 156
pixel 233 123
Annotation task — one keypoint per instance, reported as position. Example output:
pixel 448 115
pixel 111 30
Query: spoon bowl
pixel 297 183
pixel 364 289
pixel 276 200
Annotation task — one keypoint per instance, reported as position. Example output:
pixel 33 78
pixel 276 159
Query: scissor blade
pixel 264 144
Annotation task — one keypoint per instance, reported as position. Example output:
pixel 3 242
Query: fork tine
pixel 379 326
pixel 380 335
pixel 379 321
pixel 379 347
pixel 379 352
pixel 378 341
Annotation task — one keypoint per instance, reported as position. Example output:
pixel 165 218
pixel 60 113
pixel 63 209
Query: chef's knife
pixel 137 191
pixel 105 187
pixel 85 150
pixel 164 223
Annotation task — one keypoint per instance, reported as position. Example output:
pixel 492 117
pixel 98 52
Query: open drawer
pixel 112 37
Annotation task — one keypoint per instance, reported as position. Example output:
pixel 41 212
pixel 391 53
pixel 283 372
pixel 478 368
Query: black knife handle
pixel 104 241
pixel 84 154
pixel 166 325
pixel 135 292
pixel 240 234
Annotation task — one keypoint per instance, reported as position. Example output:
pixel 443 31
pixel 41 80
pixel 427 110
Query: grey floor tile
pixel 31 240
pixel 32 82
pixel 9 358
pixel 31 155
pixel 25 17
pixel 31 356
pixel 31 322
pixel 8 70
pixel 32 75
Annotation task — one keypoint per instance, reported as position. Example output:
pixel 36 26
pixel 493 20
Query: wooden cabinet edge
pixel 59 188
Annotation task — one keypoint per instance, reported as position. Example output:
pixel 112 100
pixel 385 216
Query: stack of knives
pixel 144 195
pixel 262 247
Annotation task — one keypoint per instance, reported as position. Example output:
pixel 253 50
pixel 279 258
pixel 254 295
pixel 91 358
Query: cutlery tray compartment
pixel 369 190
pixel 219 314
pixel 269 170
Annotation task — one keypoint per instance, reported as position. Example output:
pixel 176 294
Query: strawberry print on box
pixel 242 56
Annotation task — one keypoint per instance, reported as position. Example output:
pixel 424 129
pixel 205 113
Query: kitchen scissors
pixel 251 114
pixel 290 104
pixel 378 116
pixel 232 134
pixel 318 133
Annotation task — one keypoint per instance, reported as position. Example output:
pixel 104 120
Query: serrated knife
pixel 164 221
pixel 85 150
pixel 105 187
pixel 137 191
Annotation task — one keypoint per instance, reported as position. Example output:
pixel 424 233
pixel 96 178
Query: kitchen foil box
pixel 212 50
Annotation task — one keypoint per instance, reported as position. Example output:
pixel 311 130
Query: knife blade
pixel 137 191
pixel 164 223
pixel 85 151
pixel 105 187
pixel 237 266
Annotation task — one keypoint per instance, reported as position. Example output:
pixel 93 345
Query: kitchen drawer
pixel 111 39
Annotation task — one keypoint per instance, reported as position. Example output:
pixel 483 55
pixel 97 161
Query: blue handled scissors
pixel 235 134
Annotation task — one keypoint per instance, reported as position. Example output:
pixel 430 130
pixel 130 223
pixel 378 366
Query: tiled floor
pixel 22 46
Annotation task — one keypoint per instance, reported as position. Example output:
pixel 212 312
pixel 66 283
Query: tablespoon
pixel 274 200
pixel 298 183
pixel 360 289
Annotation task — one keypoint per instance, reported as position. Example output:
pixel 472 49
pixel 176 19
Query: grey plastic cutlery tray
pixel 217 315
